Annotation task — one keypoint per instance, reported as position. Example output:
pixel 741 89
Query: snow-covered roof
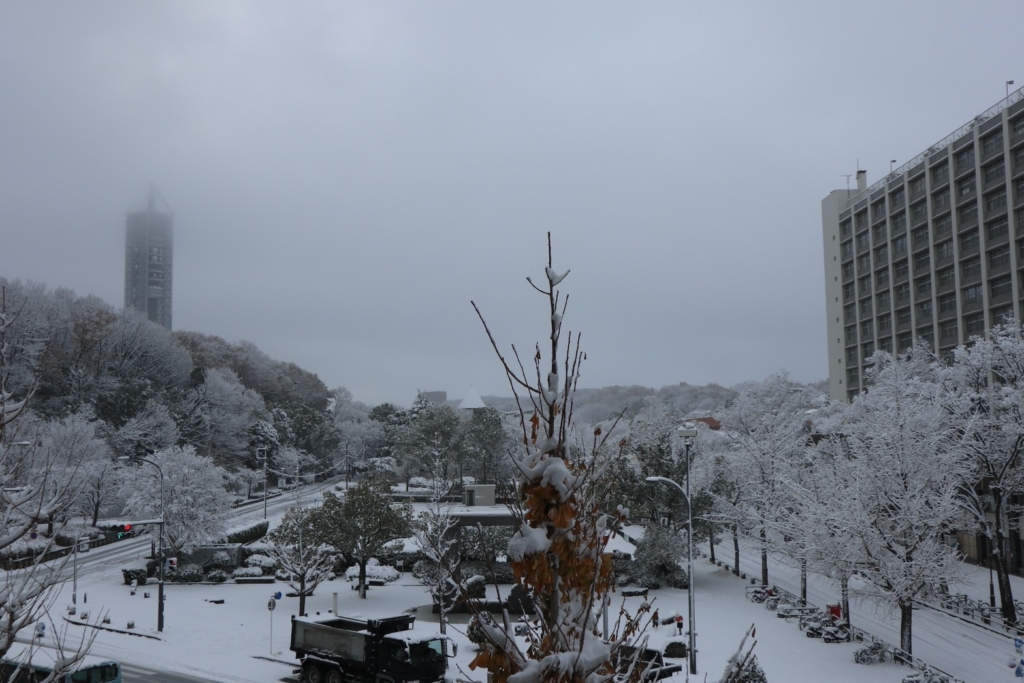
pixel 471 401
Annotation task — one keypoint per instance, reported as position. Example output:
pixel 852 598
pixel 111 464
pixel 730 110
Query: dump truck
pixel 343 649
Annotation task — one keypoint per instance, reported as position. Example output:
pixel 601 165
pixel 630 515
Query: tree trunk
pixel 711 544
pixel 95 513
pixel 362 579
pixel 803 581
pixel 844 595
pixel 906 617
pixel 1008 609
pixel 764 556
pixel 736 550
pixel 302 593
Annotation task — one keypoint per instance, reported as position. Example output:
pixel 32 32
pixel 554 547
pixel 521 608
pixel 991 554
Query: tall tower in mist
pixel 148 260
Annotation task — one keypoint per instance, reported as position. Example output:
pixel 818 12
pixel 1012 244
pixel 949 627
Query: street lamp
pixel 687 434
pixel 160 561
pixel 264 459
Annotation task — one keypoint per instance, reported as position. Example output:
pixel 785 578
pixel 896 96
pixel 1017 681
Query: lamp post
pixel 160 551
pixel 687 435
pixel 264 459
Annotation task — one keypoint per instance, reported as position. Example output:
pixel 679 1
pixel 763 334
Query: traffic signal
pixel 123 530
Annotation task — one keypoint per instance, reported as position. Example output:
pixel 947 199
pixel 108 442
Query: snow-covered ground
pixel 231 641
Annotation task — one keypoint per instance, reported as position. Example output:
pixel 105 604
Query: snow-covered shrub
pixel 217 576
pixel 374 570
pixel 248 533
pixel 656 562
pixel 134 574
pixel 495 572
pixel 221 559
pixel 190 573
pixel 244 572
pixel 263 562
pixel 419 483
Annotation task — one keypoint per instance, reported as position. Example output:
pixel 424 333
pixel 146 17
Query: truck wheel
pixel 311 673
pixel 334 676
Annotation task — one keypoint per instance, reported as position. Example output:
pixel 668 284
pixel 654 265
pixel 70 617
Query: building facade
pixel 148 262
pixel 933 251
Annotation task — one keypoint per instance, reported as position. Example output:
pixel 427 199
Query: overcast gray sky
pixel 345 177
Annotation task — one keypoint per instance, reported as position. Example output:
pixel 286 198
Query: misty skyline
pixel 345 178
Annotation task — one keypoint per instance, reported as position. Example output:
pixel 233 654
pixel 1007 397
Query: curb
pixel 112 630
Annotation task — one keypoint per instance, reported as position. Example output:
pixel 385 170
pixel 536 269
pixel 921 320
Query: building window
pixel 1000 287
pixel 994 171
pixel 999 257
pixel 896 198
pixel 851 376
pixel 924 309
pixel 970 268
pixel 1018 188
pixel 997 230
pixel 846 251
pixel 863 263
pixel 944 250
pixel 864 285
pixel 947 331
pixel 904 341
pixel 1000 314
pixel 917 186
pixel 964 159
pixel 848 270
pixel 945 277
pixel 974 324
pixel 885 344
pixel 851 355
pixel 900 269
pixel 1017 126
pixel 996 201
pixel 867 329
pixel 940 174
pixel 863 241
pixel 882 301
pixel 972 295
pixel 848 291
pixel 845 229
pixel 919 212
pixel 965 186
pixel 919 237
pixel 923 286
pixel 992 143
pixel 969 242
pixel 882 278
pixel 851 334
pixel 884 323
pixel 902 292
pixel 865 307
pixel 903 317
pixel 861 219
pixel 899 222
pixel 968 213
pixel 899 245
pixel 947 303
pixel 867 349
pixel 1018 158
pixel 881 255
pixel 922 260
pixel 850 313
pixel 926 336
pixel 879 232
pixel 940 200
pixel 878 210
pixel 942 226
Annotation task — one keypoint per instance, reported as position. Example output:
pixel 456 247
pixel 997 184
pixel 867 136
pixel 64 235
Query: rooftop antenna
pixel 847 176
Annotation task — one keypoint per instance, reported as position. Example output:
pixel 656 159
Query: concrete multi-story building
pixel 148 261
pixel 933 251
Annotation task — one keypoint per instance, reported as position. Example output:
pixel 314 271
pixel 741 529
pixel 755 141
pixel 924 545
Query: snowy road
pixel 968 652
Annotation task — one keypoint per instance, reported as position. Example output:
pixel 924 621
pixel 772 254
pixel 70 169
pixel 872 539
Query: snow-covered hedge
pixel 262 562
pixel 374 570
pixel 248 533
pixel 247 572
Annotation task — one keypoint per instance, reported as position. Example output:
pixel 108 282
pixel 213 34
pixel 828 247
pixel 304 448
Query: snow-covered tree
pixel 364 525
pixel 559 551
pixel 986 397
pixel 436 534
pixel 429 443
pixel 150 430
pixel 766 426
pixel 196 502
pixel 900 488
pixel 657 558
pixel 291 544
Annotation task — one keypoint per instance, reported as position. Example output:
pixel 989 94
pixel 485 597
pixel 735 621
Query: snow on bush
pixel 247 572
pixel 221 559
pixel 374 570
pixel 262 561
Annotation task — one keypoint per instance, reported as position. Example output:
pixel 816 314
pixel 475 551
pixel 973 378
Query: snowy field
pixel 231 641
